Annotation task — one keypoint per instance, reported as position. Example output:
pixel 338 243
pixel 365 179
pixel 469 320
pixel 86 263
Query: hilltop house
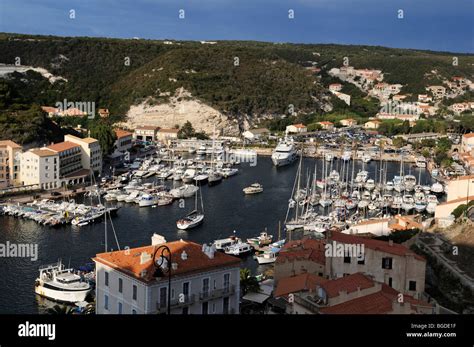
pixel 349 122
pixel 326 125
pixel 372 124
pixel 256 134
pixel 296 128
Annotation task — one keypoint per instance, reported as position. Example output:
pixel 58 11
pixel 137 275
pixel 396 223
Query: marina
pixel 226 210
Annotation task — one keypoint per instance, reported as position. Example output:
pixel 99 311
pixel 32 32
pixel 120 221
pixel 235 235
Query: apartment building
pixel 146 133
pixel 9 163
pixel 91 152
pixel 70 157
pixel 40 167
pixel 387 262
pixel 124 140
pixel 203 281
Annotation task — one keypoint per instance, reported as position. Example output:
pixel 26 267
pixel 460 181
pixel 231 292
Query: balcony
pixel 161 307
pixel 217 293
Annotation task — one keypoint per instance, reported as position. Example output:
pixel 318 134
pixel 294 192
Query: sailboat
pixel 194 218
pixel 215 177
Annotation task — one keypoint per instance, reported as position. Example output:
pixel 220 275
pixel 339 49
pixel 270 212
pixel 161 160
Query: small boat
pixel 239 249
pixel 57 283
pixel 147 200
pixel 254 188
pixel 188 176
pixel 437 188
pixel 366 158
pixel 421 162
pixel 228 172
pixel 262 240
pixel 222 244
pixel 214 178
pixel 185 191
pixel 267 257
pixel 193 219
pixel 201 179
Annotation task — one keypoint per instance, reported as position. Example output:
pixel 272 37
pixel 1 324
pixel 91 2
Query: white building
pixel 91 153
pixel 296 128
pixel 467 142
pixel 40 167
pixel 124 140
pixel 255 134
pixel 202 281
pixel 10 153
pixel 146 133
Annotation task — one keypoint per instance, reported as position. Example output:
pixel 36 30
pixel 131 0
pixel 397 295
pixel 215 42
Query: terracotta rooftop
pixel 299 283
pixel 467 136
pixel 130 261
pixel 299 125
pixel 88 140
pixel 62 146
pixel 49 109
pixel 382 246
pixel 348 283
pixel 43 152
pixel 122 133
pixel 308 249
pixel 5 143
pixel 377 303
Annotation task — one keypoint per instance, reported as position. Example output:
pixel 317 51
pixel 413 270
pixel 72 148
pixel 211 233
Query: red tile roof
pixel 376 303
pixel 128 261
pixel 348 283
pixel 9 143
pixel 382 246
pixel 308 249
pixel 122 133
pixel 168 130
pixel 299 283
pixel 62 146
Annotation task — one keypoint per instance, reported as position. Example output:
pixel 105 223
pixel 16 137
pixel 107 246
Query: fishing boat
pixel 254 188
pixel 267 257
pixel 284 153
pixel 239 249
pixel 57 283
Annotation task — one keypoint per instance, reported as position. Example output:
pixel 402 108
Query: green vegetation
pixel 187 131
pixel 248 283
pixel 104 133
pixel 461 209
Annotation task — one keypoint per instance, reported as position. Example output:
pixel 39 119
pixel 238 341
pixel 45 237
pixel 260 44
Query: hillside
pixel 243 82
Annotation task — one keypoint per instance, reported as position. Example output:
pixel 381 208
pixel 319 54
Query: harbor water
pixel 226 209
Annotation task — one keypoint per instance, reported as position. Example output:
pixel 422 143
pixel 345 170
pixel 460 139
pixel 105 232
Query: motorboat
pixel 262 240
pixel 267 257
pixel 421 162
pixel 346 156
pixel 57 283
pixel 201 150
pixel 228 172
pixel 409 181
pixel 146 200
pixel 188 175
pixel 254 188
pixel 437 188
pixel 370 184
pixel 284 153
pixel 222 244
pixel 201 179
pixel 239 249
pixel 408 203
pixel 214 178
pixel 185 191
pixel 366 158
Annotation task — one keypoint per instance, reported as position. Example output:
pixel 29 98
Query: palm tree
pixel 248 283
pixel 60 309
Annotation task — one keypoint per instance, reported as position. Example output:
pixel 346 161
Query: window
pixel 119 308
pixel 205 307
pixel 163 296
pixel 186 289
pixel 120 285
pixel 226 282
pixel 134 311
pixel 361 259
pixel 134 292
pixel 390 281
pixel 225 305
pixel 386 263
pixel 347 258
pixel 205 286
pixel 106 280
pixel 106 302
pixel 412 285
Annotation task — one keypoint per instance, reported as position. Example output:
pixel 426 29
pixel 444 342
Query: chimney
pixel 144 258
pixel 174 266
pixel 157 239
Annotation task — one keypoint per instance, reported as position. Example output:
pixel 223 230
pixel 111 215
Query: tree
pixel 248 283
pixel 103 133
pixel 399 142
pixel 186 131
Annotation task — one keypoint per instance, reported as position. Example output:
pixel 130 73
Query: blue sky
pixel 444 25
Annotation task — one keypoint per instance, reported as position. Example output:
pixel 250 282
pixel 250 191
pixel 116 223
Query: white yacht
pixel 254 188
pixel 284 153
pixel 222 244
pixel 267 257
pixel 192 220
pixel 437 188
pixel 188 175
pixel 57 283
pixel 239 249
pixel 147 200
pixel 346 156
pixel 185 191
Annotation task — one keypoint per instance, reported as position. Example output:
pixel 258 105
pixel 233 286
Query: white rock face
pixel 8 69
pixel 182 107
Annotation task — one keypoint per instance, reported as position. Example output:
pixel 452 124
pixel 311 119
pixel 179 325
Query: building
pixel 326 125
pixel 166 135
pixel 124 139
pixel 335 87
pixel 349 122
pixel 353 294
pixel 411 138
pixel 103 112
pixel 372 124
pixel 10 153
pixel 147 133
pixel 203 281
pixel 460 187
pixel 377 227
pixel 70 157
pixel 296 128
pixel 386 262
pixel 460 107
pixel 444 209
pixel 402 117
pixel 40 167
pixel 424 98
pixel 91 153
pixel 300 257
pixel 438 92
pixel 256 134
